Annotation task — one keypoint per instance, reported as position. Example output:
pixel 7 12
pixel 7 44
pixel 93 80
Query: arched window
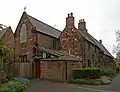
pixel 23 34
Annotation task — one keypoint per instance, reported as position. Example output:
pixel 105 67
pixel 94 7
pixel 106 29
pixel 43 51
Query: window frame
pixel 89 46
pixel 54 44
pixel 23 58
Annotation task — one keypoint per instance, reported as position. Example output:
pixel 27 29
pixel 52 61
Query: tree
pixel 6 54
pixel 116 47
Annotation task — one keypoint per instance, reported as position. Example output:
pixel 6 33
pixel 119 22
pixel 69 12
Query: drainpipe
pixel 66 70
pixel 84 55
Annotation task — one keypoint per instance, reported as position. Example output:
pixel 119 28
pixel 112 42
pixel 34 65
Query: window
pixel 23 34
pixel 89 63
pixel 93 58
pixel 23 58
pixel 48 55
pixel 54 44
pixel 88 46
pixel 43 55
pixel 95 63
pixel 95 49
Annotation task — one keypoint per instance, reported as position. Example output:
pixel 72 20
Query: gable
pixel 40 26
pixel 23 19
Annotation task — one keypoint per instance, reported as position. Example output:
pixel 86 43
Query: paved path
pixel 46 86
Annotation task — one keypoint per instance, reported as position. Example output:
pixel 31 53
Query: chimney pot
pixel 100 41
pixel 70 20
pixel 82 24
pixel 71 14
pixel 68 15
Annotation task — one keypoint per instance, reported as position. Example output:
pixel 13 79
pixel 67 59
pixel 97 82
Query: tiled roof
pixel 2 32
pixel 52 52
pixel 44 28
pixel 91 39
pixel 106 52
pixel 64 58
pixel 59 55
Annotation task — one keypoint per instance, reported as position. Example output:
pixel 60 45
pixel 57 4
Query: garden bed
pixel 102 81
pixel 93 76
pixel 16 85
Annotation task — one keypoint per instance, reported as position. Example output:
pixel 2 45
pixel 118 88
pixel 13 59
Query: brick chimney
pixel 100 41
pixel 82 25
pixel 70 20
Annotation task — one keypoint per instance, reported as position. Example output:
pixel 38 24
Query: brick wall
pixel 8 39
pixel 27 48
pixel 90 53
pixel 56 70
pixel 24 48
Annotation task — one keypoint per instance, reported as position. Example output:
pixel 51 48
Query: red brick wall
pixel 27 48
pixel 56 70
pixel 24 48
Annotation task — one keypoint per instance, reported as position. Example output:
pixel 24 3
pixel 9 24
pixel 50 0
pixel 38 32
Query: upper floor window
pixel 88 46
pixel 23 34
pixel 54 44
pixel 95 49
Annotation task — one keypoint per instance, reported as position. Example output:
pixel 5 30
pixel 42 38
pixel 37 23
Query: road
pixel 46 86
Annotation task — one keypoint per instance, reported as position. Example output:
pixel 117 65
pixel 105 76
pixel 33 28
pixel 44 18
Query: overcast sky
pixel 102 16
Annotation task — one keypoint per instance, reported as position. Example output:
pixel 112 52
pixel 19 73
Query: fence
pixel 19 69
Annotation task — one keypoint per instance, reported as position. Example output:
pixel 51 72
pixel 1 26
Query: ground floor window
pixel 89 63
pixel 23 58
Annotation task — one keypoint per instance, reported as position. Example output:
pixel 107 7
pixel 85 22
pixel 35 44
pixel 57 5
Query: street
pixel 47 86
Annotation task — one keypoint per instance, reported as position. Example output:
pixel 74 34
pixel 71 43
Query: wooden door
pixel 38 69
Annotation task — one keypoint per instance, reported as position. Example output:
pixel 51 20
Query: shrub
pixel 90 81
pixel 108 72
pixel 14 86
pixel 89 73
pixel 87 81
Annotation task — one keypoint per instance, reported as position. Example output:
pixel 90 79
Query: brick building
pixel 60 51
pixel 7 36
pixel 30 32
pixel 79 42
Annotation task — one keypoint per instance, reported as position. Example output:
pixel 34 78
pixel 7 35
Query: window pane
pixel 23 34
pixel 44 55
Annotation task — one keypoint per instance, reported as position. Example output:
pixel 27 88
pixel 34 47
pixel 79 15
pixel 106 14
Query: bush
pixel 90 81
pixel 89 73
pixel 108 72
pixel 14 86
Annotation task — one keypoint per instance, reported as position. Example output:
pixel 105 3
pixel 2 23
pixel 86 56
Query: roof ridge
pixel 106 49
pixel 42 22
pixel 92 39
pixel 100 44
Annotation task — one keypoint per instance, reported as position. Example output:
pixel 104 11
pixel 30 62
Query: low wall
pixel 58 70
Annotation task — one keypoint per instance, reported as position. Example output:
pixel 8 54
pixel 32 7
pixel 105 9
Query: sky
pixel 102 16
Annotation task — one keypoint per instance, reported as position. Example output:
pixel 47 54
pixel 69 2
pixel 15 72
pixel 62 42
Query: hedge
pixel 86 73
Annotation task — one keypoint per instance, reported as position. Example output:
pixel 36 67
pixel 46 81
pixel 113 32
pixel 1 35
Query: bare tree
pixel 116 47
